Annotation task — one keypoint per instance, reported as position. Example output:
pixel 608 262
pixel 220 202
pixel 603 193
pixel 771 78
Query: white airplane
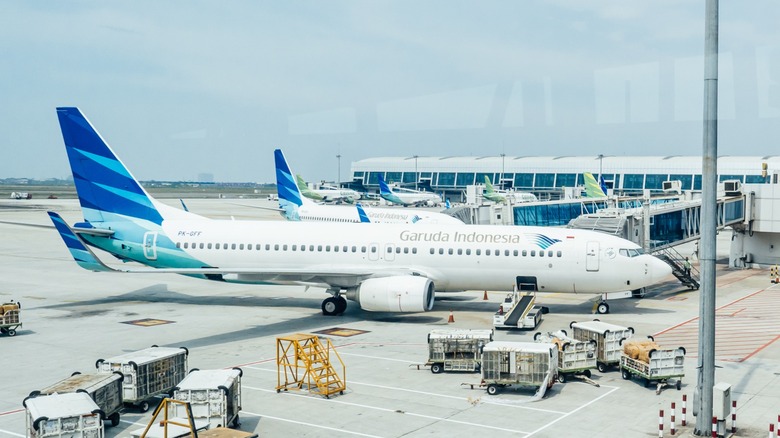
pixel 501 196
pixel 296 206
pixel 384 268
pixel 327 194
pixel 407 197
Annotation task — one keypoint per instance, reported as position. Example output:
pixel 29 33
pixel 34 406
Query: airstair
pixel 685 272
pixel 304 360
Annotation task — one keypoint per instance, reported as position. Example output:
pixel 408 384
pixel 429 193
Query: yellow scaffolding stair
pixel 304 359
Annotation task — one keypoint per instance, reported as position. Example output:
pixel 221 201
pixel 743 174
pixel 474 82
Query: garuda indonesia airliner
pixel 384 268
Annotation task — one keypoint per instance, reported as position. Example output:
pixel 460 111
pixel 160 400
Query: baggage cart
pixel 72 415
pixel 147 373
pixel 608 339
pixel 520 364
pixel 661 366
pixel 104 389
pixel 456 350
pixel 575 358
pixel 213 395
pixel 9 318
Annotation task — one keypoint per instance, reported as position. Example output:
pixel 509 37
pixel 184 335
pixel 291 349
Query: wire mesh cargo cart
pixel 9 318
pixel 575 358
pixel 608 339
pixel 456 350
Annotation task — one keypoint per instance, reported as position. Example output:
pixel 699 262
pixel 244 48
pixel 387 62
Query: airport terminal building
pixel 548 175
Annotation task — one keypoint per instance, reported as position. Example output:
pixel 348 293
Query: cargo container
pixel 104 389
pixel 574 357
pixel 608 339
pixel 661 366
pixel 214 395
pixel 147 373
pixel 521 364
pixel 9 318
pixel 456 350
pixel 73 415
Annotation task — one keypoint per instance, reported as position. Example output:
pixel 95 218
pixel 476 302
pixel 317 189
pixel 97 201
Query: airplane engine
pixel 394 294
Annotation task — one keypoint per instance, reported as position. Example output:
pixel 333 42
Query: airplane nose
pixel 659 270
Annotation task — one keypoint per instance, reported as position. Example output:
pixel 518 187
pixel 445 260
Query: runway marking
pixel 333 429
pixel 15 411
pixel 11 433
pixel 377 408
pixel 614 388
pixel 743 327
pixel 453 397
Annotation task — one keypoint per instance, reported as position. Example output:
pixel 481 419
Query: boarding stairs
pixel 689 277
pixel 305 360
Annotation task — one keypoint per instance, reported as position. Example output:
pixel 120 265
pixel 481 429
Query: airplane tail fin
pixel 447 204
pixel 384 189
pixel 602 184
pixel 362 214
pixel 592 187
pixel 488 186
pixel 106 189
pixel 307 192
pixel 286 185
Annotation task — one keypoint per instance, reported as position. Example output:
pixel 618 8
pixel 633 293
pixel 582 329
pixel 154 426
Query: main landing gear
pixel 335 305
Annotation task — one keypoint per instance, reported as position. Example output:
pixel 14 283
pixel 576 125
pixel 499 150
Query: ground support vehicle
pixel 663 365
pixel 456 350
pixel 72 415
pixel 147 373
pixel 518 311
pixel 213 395
pixel 608 339
pixel 104 389
pixel 575 358
pixel 9 318
pixel 519 364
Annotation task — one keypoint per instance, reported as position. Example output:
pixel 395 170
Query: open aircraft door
pixel 150 245
pixel 592 256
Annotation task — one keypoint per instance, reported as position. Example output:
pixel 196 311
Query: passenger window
pixel 441 251
pixel 460 251
pixel 479 252
pixel 525 253
pixel 398 250
pixel 406 250
pixel 373 249
pixel 433 251
pixel 232 246
pixel 311 248
pixel 354 248
pixel 267 246
pixel 363 249
pixel 258 247
pixel 276 247
pixel 468 251
pixel 541 253
pixel 284 247
pixel 295 247
pixel 303 247
pixel 506 252
pixel 178 244
pixel 335 248
pixel 559 254
pixel 201 246
pixel 487 252
pixel 533 253
pixel 497 252
pixel 186 245
pixel 241 246
pixel 515 253
pixel 327 248
pixel 216 246
pixel 319 248
pixel 549 253
pixel 450 251
pixel 345 248
pixel 414 250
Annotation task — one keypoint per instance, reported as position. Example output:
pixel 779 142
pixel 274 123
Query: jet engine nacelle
pixel 405 293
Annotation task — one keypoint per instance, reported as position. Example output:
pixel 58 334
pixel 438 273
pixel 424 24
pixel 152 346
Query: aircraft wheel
pixel 341 305
pixel 603 308
pixel 330 306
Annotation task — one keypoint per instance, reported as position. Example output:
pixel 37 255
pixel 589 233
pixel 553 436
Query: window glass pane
pixel 465 179
pixel 565 180
pixel 544 180
pixel 446 179
pixel 524 180
pixel 633 181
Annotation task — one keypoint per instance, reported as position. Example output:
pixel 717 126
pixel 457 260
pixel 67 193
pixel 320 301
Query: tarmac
pixel 72 317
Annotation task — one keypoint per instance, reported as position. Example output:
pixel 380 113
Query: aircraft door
pixel 592 256
pixel 150 245
pixel 389 252
pixel 373 251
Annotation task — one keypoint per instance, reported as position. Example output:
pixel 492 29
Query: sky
pixel 185 88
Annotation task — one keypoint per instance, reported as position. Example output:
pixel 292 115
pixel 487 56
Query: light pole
pixel 501 178
pixel 416 175
pixel 601 158
pixel 338 179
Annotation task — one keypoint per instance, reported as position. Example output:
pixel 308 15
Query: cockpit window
pixel 633 252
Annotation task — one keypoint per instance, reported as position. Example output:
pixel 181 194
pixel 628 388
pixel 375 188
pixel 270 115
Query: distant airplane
pixel 327 194
pixel 501 197
pixel 295 206
pixel 388 268
pixel 592 188
pixel 407 197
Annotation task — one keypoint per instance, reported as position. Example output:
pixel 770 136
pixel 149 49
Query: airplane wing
pixel 323 275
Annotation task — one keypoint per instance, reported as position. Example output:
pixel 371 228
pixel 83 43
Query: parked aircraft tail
pixel 592 188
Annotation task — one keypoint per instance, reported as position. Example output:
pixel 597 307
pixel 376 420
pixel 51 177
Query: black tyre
pixel 437 368
pixel 651 338
pixel 236 423
pixel 564 332
pixel 571 324
pixel 561 378
pixel 143 406
pixel 11 332
pixel 678 385
pixel 114 418
pixel 647 382
pixel 602 309
pixel 626 375
pixel 537 335
pixel 492 389
pixel 602 367
pixel 330 306
pixel 341 305
pixel 587 373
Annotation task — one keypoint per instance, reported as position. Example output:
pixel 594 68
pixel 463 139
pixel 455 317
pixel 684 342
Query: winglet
pixel 592 187
pixel 80 252
pixel 362 214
